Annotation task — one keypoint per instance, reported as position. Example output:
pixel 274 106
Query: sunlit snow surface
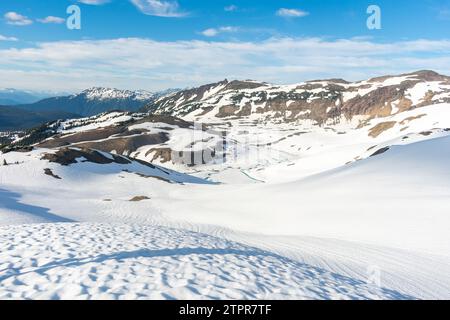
pixel 329 222
pixel 97 261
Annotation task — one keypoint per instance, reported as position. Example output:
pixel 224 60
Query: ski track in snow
pixel 101 261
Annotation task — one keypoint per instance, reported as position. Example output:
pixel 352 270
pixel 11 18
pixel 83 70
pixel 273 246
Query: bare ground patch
pixel 127 144
pixel 50 173
pixel 409 119
pixel 380 128
pixel 139 198
pixel 68 156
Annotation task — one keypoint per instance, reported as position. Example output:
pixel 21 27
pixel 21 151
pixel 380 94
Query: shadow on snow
pixel 308 271
pixel 11 200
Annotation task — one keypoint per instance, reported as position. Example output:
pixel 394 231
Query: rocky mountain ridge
pixel 320 101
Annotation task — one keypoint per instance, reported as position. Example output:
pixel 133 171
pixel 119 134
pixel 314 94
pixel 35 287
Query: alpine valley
pixel 324 189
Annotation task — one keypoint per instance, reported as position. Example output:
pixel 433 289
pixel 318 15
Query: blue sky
pixel 155 44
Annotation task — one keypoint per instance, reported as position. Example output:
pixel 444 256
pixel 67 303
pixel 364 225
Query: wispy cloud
pixel 212 32
pixel 291 13
pixel 444 14
pixel 5 38
pixel 143 63
pixel 16 19
pixel 231 8
pixel 160 8
pixel 52 19
pixel 94 2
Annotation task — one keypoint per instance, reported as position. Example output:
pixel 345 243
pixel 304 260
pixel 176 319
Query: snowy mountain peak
pixel 100 93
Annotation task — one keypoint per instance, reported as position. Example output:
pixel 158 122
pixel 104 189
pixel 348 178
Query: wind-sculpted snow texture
pixel 97 261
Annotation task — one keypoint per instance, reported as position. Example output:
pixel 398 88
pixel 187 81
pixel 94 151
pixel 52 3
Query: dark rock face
pixel 380 151
pixel 68 156
pixel 49 172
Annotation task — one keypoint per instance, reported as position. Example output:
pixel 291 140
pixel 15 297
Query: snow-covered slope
pixel 353 205
pixel 390 209
pixel 403 191
pixel 98 261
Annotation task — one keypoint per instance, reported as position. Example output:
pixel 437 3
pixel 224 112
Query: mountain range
pixel 87 103
pixel 241 113
pixel 319 101
pixel 93 101
pixel 10 96
pixel 236 190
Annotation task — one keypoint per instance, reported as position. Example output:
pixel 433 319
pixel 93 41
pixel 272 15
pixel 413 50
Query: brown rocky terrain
pixel 319 100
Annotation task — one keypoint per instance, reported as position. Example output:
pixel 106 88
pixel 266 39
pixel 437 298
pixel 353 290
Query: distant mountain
pixel 96 100
pixel 320 101
pixel 13 118
pixel 9 96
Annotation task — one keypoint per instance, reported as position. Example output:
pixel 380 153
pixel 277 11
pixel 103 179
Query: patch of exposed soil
pixel 97 134
pixel 409 119
pixel 131 132
pixel 126 144
pixel 227 111
pixel 239 85
pixel 68 156
pixel 139 198
pixel 206 110
pixel 380 128
pixel 165 154
pixel 169 120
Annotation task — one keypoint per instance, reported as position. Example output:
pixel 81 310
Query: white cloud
pixel 212 32
pixel 291 13
pixel 94 2
pixel 231 8
pixel 142 63
pixel 5 38
pixel 51 19
pixel 16 19
pixel 160 8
